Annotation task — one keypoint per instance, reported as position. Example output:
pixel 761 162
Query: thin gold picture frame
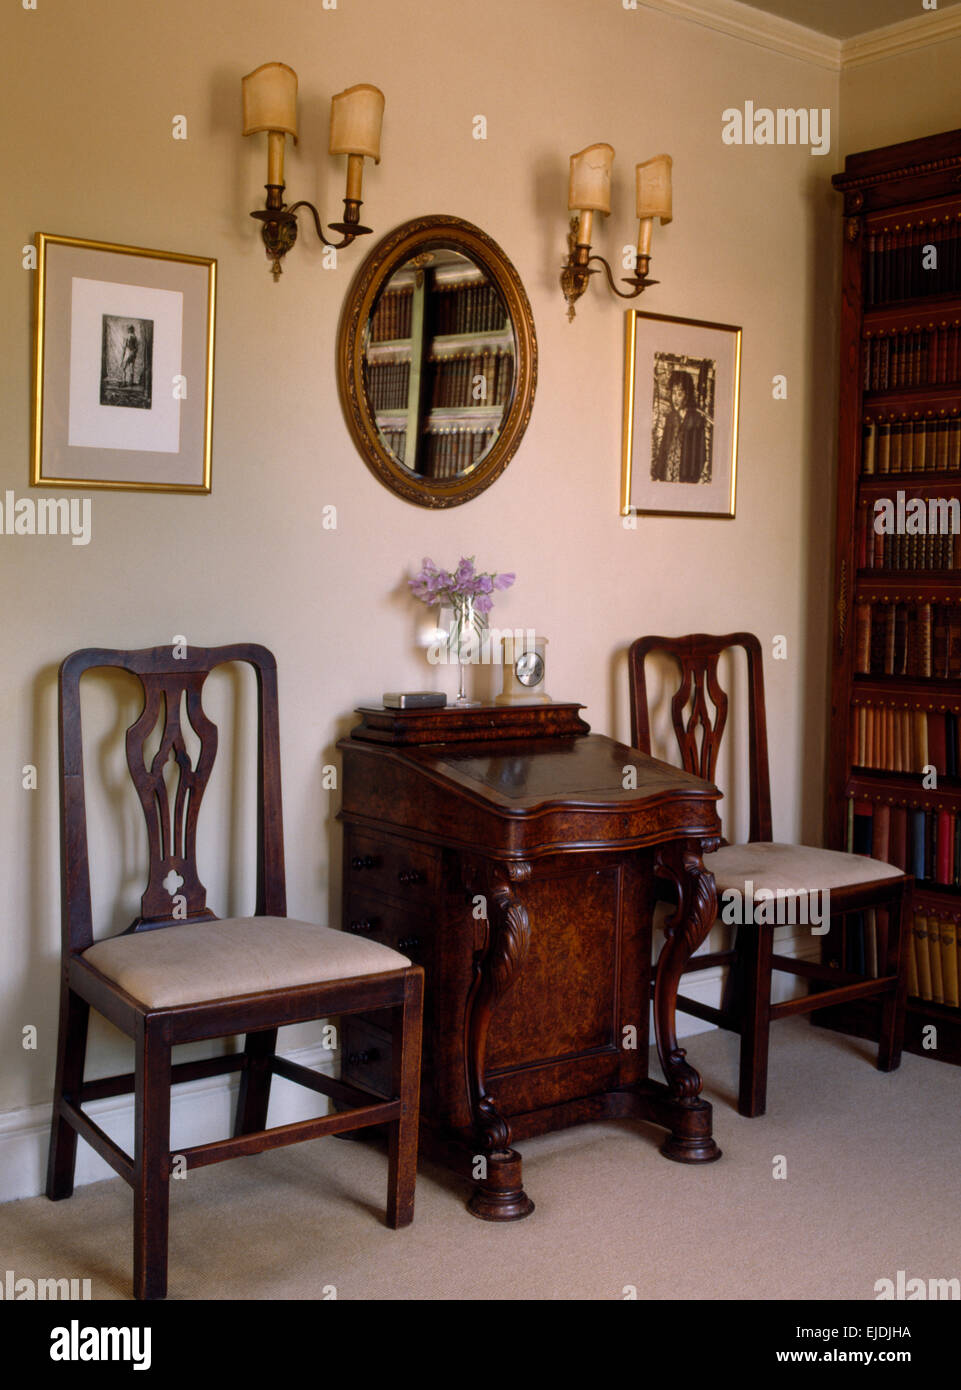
pixel 726 495
pixel 200 425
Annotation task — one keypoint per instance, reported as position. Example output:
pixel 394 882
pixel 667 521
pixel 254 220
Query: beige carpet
pixel 871 1162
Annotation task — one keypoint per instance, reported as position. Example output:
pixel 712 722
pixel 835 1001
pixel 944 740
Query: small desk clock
pixel 525 666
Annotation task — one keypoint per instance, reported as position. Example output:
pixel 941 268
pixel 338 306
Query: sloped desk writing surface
pixel 515 856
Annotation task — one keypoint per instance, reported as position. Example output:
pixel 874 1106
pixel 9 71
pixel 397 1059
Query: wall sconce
pixel 356 117
pixel 590 192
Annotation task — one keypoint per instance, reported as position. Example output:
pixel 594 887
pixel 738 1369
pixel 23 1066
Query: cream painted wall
pixel 88 96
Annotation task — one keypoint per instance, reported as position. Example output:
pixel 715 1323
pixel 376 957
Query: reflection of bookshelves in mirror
pixel 895 743
pixel 440 367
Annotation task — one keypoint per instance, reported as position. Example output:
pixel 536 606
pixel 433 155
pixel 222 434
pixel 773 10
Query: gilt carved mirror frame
pixel 418 244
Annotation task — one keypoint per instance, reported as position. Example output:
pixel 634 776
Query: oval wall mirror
pixel 437 361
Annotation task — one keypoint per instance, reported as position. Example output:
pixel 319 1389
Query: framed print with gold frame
pixel 681 382
pixel 123 384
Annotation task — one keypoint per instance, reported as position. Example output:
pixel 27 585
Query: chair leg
pixel 402 1152
pixel 755 947
pixel 71 1053
pixel 254 1095
pixel 732 991
pixel 892 962
pixel 151 1201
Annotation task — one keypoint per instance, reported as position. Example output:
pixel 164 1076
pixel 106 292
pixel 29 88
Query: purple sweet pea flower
pixel 432 585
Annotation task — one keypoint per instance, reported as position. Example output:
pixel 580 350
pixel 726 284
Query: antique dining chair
pixel 179 974
pixel 854 883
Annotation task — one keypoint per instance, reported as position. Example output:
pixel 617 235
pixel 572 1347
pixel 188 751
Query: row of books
pixel 878 550
pixel 449 451
pixel 388 384
pixel 905 740
pixel 902 357
pixel 925 842
pixel 909 444
pixel 479 378
pixel 473 308
pixel 391 318
pixel 933 955
pixel 934 958
pixel 898 265
pixel 921 641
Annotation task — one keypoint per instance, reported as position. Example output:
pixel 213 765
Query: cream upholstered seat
pixel 792 868
pixel 197 961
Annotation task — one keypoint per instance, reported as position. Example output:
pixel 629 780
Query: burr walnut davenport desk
pixel 500 848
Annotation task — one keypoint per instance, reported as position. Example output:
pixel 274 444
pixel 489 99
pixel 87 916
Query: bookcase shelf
pixel 896 586
pixel 904 787
pixel 942 483
pixel 906 692
pixel 935 308
pixel 910 397
pixel 896 677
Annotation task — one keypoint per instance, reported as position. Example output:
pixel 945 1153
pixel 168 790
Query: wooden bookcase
pixel 435 333
pixel 896 685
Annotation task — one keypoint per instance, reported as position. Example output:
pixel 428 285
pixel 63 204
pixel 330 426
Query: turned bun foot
pixel 501 1196
pixel 690 1139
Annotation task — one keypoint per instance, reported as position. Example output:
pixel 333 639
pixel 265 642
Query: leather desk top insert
pixel 515 856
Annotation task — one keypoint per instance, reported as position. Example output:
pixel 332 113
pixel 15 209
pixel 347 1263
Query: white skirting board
pixel 200 1111
pixel 203 1110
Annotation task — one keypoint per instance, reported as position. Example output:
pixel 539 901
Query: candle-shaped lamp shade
pixel 654 188
pixel 356 117
pixel 590 185
pixel 270 99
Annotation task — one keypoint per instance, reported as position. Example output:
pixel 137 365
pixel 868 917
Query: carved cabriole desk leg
pixel 499 1194
pixel 690 1140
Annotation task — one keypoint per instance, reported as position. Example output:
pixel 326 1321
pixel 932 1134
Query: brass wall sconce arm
pixel 280 225
pixel 576 271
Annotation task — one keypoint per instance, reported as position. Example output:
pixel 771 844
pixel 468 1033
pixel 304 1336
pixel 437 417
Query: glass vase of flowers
pixel 469 594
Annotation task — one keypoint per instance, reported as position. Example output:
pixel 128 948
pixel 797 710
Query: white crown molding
pixel 795 41
pixel 756 26
pixel 933 26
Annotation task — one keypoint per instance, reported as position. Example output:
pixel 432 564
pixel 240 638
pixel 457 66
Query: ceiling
pixel 844 19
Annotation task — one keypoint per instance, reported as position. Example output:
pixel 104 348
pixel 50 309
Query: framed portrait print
pixel 681 380
pixel 123 394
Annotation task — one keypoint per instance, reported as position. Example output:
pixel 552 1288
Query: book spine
pixel 881 832
pixel 934 959
pixel 869 434
pixel 949 961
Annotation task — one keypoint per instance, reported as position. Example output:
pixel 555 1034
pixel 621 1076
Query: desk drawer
pixel 403 870
pixel 379 919
pixel 366 1057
